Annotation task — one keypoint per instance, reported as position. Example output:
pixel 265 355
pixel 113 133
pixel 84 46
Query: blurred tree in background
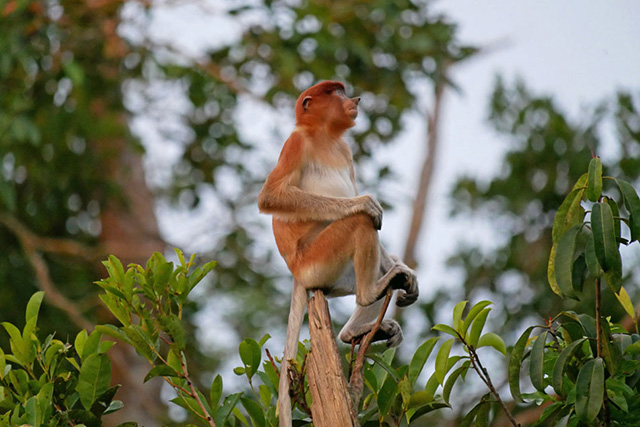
pixel 86 87
pixel 547 152
pixel 75 76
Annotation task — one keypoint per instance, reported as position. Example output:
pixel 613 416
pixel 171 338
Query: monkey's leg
pixel 321 262
pixel 362 321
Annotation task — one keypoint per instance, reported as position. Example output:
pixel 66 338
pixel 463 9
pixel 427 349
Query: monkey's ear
pixel 305 102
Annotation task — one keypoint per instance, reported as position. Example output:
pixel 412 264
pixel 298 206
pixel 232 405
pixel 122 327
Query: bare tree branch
pixel 31 243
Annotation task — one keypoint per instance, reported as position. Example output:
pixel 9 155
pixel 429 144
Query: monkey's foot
pixel 389 331
pixel 406 280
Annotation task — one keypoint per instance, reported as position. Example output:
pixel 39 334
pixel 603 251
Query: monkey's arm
pixel 282 196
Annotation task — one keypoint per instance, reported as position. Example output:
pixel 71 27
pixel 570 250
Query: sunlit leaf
pixel 477 326
pixel 420 357
pixel 442 359
pixel 457 315
pixel 473 313
pixel 625 301
pixel 492 340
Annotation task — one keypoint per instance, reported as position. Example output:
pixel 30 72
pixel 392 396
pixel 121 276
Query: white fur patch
pixel 327 181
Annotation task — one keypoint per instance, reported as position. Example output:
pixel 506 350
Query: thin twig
pixel 356 379
pixel 599 339
pixel 484 376
pixel 273 363
pixel 194 393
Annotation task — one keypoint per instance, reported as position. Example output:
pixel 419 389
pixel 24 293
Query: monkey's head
pixel 327 105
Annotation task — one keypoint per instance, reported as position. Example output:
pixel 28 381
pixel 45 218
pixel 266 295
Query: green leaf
pixel 457 316
pixel 591 259
pixel 139 341
pixel 264 340
pixel 564 261
pixel 172 325
pixel 570 213
pixel 189 403
pixel 78 343
pixel 19 347
pixel 3 363
pixel 45 400
pixel 477 326
pixel 33 306
pixel 536 362
pixel 222 414
pixel 451 380
pixel 161 371
pixel 590 390
pixel 216 391
pixel 551 271
pixel 385 364
pixel 420 358
pixel 625 301
pixel 425 409
pixel 251 355
pixel 114 406
pixel 473 313
pixel 472 414
pixel 594 185
pixel 492 340
pixel 446 329
pixel 606 246
pixel 386 395
pixel 254 411
pixel 482 417
pixel 442 359
pixel 113 331
pixel 632 203
pixel 615 211
pixel 103 402
pixel 91 345
pixel 161 275
pixel 515 363
pixel 32 412
pixel 94 379
pixel 561 362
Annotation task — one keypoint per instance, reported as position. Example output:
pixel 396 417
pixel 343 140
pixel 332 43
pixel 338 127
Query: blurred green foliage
pixel 546 152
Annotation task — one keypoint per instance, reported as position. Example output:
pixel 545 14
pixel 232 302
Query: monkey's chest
pixel 327 181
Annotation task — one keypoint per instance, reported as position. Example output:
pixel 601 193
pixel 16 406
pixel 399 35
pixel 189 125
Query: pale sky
pixel 575 50
pixel 580 52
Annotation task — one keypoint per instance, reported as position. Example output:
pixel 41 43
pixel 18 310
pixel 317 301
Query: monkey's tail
pixel 296 315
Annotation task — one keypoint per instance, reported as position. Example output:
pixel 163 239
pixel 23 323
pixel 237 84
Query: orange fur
pixel 325 232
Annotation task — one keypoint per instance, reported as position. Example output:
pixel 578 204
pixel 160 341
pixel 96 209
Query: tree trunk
pixel 331 406
pixel 130 232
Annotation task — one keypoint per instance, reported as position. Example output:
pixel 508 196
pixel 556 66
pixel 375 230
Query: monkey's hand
pixel 370 206
pixel 407 281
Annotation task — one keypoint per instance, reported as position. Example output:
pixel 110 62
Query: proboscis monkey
pixel 325 232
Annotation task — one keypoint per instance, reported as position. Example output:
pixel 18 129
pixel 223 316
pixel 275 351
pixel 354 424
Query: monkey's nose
pixel 356 100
